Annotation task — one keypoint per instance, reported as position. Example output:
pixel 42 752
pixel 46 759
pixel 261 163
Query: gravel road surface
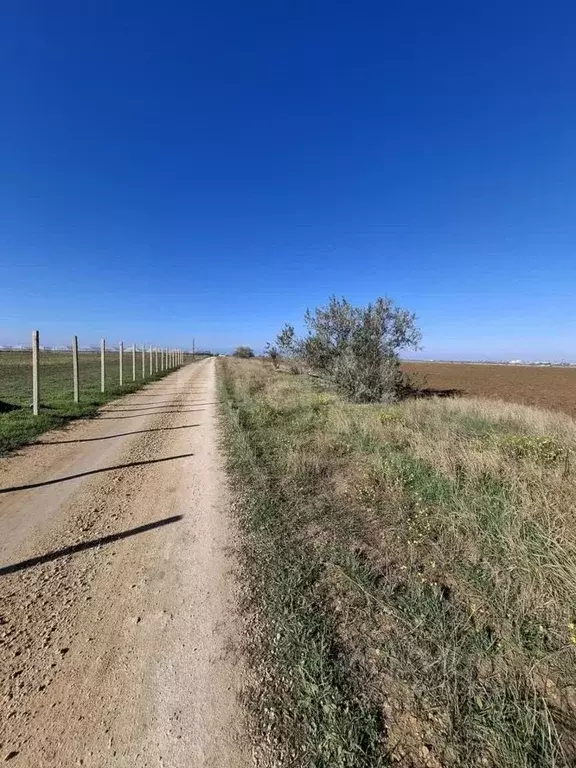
pixel 118 622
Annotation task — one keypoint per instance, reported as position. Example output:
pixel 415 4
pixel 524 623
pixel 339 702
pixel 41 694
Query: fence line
pixel 161 359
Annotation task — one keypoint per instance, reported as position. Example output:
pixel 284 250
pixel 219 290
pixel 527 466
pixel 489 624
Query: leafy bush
pixel 244 352
pixel 356 348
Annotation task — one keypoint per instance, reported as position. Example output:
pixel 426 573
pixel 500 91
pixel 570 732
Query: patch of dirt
pixel 553 388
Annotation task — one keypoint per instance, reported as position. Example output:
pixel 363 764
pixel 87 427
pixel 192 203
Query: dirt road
pixel 118 628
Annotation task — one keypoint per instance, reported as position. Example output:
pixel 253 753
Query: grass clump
pixel 538 448
pixel 412 576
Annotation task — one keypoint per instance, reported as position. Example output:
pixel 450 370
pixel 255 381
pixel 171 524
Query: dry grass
pixel 435 542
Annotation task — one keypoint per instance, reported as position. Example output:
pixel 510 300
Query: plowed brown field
pixel 553 388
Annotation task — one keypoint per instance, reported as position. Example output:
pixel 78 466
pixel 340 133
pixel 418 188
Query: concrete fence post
pixel 143 361
pixel 134 361
pixel 150 367
pixel 75 369
pixel 35 372
pixel 121 356
pixel 102 365
pixel 156 359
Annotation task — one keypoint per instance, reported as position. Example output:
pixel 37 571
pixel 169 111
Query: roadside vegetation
pixel 244 352
pixel 411 575
pixel 356 349
pixel 17 424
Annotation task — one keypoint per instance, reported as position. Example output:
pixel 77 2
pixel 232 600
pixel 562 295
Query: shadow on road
pixel 93 472
pixel 158 392
pixel 109 437
pixel 138 407
pixel 84 545
pixel 134 403
pixel 149 407
pixel 147 413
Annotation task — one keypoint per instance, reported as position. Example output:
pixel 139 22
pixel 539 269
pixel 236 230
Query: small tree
pixel 357 348
pixel 289 347
pixel 243 352
pixel 271 352
pixel 287 342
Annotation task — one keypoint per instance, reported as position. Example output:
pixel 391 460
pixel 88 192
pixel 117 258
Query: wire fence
pixel 38 377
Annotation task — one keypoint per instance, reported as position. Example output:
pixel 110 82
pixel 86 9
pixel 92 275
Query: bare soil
pixel 118 625
pixel 546 387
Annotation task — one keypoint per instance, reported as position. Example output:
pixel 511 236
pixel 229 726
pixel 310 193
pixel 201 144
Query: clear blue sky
pixel 212 169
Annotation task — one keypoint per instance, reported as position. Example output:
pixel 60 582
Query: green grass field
pixel 17 424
